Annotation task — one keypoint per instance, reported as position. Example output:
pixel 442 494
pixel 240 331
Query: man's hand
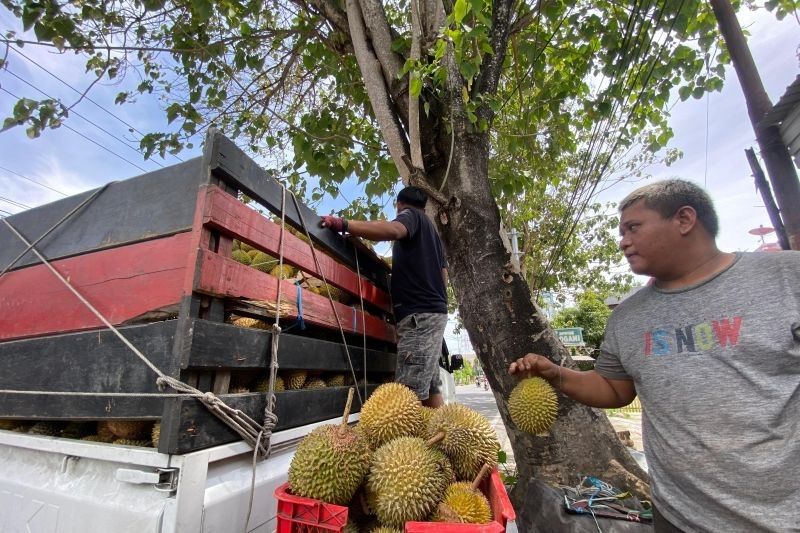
pixel 534 365
pixel 337 224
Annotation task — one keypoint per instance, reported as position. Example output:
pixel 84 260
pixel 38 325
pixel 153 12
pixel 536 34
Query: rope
pixel 57 224
pixel 330 298
pixel 363 322
pixel 242 424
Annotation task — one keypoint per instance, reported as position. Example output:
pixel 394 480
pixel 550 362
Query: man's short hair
pixel 413 196
pixel 667 196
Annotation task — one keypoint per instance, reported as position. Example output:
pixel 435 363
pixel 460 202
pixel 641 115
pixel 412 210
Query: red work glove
pixel 337 224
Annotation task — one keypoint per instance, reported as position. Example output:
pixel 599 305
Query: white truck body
pixel 56 485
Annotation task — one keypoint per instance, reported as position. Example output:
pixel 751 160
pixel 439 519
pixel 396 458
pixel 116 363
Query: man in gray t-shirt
pixel 712 348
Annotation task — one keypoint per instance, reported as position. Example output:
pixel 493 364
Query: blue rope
pixel 299 323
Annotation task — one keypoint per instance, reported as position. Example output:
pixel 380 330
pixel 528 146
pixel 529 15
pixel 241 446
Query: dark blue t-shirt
pixel 417 263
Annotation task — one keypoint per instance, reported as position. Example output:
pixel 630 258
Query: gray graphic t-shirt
pixel 717 370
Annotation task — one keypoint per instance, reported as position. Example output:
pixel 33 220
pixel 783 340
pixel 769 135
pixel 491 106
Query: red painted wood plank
pixel 221 276
pixel 122 283
pixel 226 213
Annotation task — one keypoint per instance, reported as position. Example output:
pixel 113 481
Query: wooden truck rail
pixel 153 255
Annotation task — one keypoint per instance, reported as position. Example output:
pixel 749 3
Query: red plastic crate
pixel 296 514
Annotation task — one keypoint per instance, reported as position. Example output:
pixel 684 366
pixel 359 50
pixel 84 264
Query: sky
pixel 97 144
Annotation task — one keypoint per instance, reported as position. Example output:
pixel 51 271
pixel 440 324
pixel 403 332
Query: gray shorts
pixel 418 350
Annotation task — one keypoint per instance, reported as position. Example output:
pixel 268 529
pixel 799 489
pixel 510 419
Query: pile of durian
pixel 402 462
pixel 290 380
pixel 124 432
pixel 260 260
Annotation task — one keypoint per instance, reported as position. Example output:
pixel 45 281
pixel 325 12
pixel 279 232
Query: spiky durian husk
pixel 134 442
pixel 129 429
pixel 295 379
pixel 8 424
pixel 238 389
pixel 263 384
pixel 244 246
pixel 264 262
pixel 241 257
pixel 463 504
pixel 252 253
pixel 533 406
pixel 104 432
pixel 237 244
pixel 427 415
pixel 49 429
pixel 329 464
pixel 392 411
pixel 283 271
pixel 386 529
pixel 407 478
pixel 469 441
pixel 155 434
pixel 335 380
pixel 93 438
pixel 76 430
pixel 247 322
pixel 315 383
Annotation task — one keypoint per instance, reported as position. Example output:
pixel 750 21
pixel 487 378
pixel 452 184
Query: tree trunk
pixel 503 324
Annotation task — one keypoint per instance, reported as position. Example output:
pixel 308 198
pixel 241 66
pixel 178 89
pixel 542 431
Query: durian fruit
pixel 104 432
pixel 330 463
pixel 263 262
pixel 295 379
pixel 93 438
pixel 262 385
pixel 129 429
pixel 8 424
pixel 407 478
pixel 247 322
pixel 335 380
pixel 48 429
pixel 427 415
pixel 315 383
pixel 283 271
pixel 133 442
pixel 253 253
pixel 386 529
pixel 240 256
pixel 533 406
pixel 467 438
pixel 392 411
pixel 245 247
pixel 76 430
pixel 465 504
pixel 336 293
pixel 237 244
pixel 238 389
pixel 155 434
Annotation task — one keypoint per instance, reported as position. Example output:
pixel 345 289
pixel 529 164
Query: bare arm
pixel 377 230
pixel 589 388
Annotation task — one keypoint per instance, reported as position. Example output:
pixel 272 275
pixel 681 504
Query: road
pixel 483 402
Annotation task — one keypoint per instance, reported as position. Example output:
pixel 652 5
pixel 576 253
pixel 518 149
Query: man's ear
pixel 686 218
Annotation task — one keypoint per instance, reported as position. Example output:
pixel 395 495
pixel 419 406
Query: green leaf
pixel 415 87
pixel 460 10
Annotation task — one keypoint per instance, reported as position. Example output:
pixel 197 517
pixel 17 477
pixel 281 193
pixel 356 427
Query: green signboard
pixel 571 336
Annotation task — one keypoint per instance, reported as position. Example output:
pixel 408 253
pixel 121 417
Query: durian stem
pixel 347 407
pixel 436 438
pixel 482 474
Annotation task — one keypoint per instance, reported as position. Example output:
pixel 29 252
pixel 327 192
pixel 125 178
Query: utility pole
pixel 780 167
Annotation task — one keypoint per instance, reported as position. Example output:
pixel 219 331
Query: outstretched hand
pixel 335 223
pixel 534 365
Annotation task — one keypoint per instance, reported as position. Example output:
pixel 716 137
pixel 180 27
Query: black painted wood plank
pixel 95 361
pixel 198 428
pixel 216 345
pixel 66 407
pixel 228 161
pixel 155 204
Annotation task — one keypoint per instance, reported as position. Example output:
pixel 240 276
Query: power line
pixel 33 181
pixel 122 141
pixel 15 204
pixel 85 97
pixel 85 137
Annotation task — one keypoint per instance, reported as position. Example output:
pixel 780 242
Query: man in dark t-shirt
pixel 418 289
